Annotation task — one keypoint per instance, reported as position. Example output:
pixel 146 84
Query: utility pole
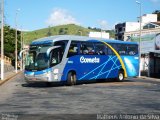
pixel 23 60
pixel 16 40
pixel 140 34
pixel 101 32
pixel 21 66
pixel 2 40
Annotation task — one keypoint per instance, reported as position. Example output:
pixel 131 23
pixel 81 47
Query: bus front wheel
pixel 120 76
pixel 71 80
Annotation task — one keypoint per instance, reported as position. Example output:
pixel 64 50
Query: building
pixel 99 35
pixel 121 28
pixel 150 42
pixel 147 18
pixel 150 45
pixel 152 25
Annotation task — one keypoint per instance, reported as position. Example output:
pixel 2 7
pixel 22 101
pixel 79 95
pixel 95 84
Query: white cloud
pixel 103 24
pixel 24 30
pixel 60 17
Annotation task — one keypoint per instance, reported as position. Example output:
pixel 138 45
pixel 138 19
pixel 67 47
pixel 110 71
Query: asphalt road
pixel 19 100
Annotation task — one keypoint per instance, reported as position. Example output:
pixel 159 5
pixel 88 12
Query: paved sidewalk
pixel 8 76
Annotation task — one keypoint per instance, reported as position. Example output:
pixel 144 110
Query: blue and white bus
pixel 70 59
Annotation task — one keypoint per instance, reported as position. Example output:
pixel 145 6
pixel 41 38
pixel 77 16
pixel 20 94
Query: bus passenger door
pixel 56 56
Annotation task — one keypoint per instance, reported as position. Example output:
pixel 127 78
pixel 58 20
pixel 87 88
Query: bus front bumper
pixel 30 79
pixel 47 77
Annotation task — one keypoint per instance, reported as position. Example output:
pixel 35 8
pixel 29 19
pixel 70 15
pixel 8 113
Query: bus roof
pixel 52 39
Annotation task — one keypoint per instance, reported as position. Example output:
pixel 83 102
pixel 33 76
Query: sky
pixel 38 14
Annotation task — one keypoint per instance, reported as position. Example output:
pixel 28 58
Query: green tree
pixel 9 41
pixel 49 33
pixel 63 31
pixel 35 35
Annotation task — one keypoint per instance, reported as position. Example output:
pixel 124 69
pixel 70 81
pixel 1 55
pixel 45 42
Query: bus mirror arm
pixel 20 54
pixel 50 49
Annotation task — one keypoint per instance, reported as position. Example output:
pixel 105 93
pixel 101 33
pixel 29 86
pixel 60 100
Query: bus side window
pixel 87 48
pixel 73 49
pixel 100 49
pixel 122 49
pixel 132 49
pixel 62 44
pixel 83 48
pixel 56 56
pixel 110 51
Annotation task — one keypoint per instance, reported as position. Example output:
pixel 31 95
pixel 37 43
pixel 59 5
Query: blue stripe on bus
pixel 131 65
pixel 42 42
pixel 107 67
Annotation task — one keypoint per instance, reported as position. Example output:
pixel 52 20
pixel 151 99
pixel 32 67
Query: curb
pixel 6 79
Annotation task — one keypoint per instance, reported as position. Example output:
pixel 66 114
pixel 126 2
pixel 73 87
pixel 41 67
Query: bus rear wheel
pixel 71 80
pixel 120 76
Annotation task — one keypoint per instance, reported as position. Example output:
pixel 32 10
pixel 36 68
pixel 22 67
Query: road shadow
pixel 62 84
pixel 43 84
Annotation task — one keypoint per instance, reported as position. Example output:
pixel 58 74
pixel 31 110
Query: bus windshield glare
pixel 37 58
pixel 37 61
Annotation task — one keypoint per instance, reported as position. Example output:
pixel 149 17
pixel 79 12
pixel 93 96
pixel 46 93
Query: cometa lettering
pixel 89 60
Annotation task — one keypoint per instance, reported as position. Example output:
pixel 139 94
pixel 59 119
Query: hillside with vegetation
pixel 70 29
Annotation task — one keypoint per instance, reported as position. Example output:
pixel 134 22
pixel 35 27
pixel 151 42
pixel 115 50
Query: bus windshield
pixel 37 58
pixel 36 61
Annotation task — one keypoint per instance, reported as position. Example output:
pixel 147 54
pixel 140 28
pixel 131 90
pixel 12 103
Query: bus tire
pixel 71 79
pixel 120 76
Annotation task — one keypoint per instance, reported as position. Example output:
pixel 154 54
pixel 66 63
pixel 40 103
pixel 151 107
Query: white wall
pixel 132 26
pixel 99 35
pixel 149 18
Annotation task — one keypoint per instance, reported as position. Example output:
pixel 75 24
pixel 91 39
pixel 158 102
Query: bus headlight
pixel 56 71
pixel 56 77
